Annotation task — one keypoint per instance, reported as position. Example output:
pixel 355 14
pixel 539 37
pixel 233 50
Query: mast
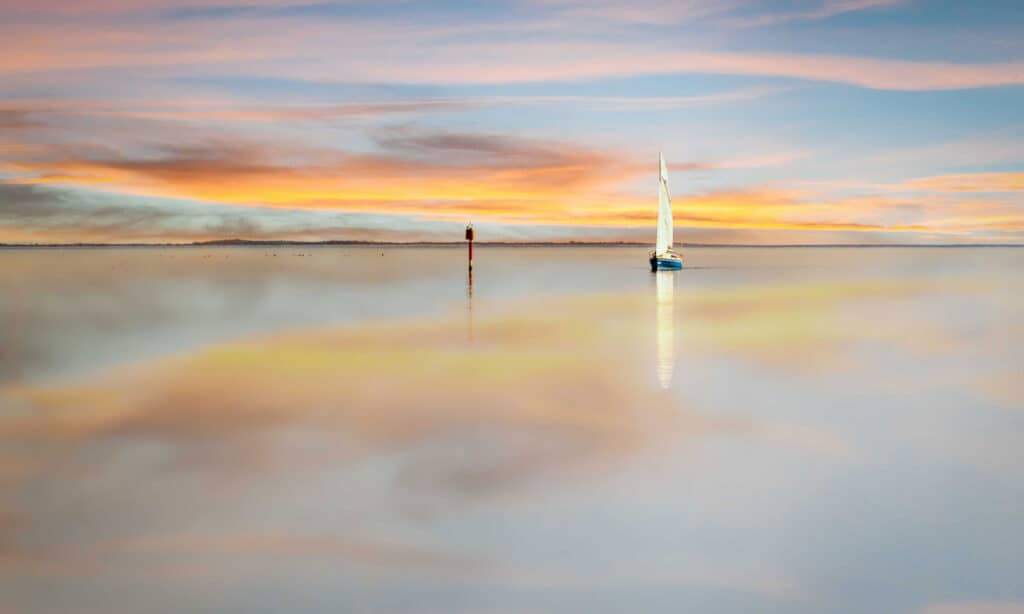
pixel 665 240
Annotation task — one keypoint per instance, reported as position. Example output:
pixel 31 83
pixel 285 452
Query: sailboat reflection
pixel 665 281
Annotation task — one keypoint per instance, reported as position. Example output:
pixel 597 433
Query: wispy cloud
pixel 745 13
pixel 375 52
pixel 32 112
pixel 37 215
pixel 92 7
pixel 765 161
pixel 446 176
pixel 968 182
pixel 16 118
pixel 648 12
pixel 812 12
pixel 976 607
pixel 437 170
pixel 291 546
pixel 1005 146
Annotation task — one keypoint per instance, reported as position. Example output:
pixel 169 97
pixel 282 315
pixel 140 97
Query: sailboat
pixel 663 257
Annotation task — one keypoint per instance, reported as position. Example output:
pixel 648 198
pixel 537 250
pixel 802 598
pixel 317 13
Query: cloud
pixel 376 50
pixel 783 158
pixel 240 112
pixel 976 607
pixel 500 63
pixel 865 72
pixel 1004 146
pixel 819 10
pixel 449 177
pixel 544 164
pixel 647 12
pixel 26 202
pixel 968 182
pixel 288 547
pixel 773 209
pixel 663 573
pixel 425 175
pixel 40 212
pixel 50 8
pixel 33 112
pixel 417 172
pixel 645 103
pixel 743 13
pixel 35 214
pixel 11 119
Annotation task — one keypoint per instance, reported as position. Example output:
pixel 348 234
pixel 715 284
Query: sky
pixel 798 121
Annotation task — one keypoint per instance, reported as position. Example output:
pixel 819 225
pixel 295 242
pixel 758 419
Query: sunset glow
pixel 801 122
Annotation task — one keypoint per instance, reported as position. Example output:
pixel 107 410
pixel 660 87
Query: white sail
pixel 665 241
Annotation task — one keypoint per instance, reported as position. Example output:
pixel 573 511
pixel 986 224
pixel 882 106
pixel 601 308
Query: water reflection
pixel 665 281
pixel 210 437
pixel 469 303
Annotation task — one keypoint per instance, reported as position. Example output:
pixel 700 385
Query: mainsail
pixel 664 242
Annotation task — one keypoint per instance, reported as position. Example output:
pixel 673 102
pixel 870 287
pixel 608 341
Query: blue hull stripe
pixel 667 264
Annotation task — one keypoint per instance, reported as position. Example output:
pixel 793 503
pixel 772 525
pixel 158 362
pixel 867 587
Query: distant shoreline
pixel 247 243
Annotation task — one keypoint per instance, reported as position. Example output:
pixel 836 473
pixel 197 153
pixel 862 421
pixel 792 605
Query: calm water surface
pixel 367 430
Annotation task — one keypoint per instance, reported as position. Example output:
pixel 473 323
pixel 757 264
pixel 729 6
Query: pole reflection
pixel 665 281
pixel 469 304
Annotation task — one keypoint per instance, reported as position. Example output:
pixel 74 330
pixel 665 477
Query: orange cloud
pixel 450 176
pixel 441 176
pixel 419 173
pixel 968 182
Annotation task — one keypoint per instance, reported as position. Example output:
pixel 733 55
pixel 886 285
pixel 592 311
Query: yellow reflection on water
pixel 530 388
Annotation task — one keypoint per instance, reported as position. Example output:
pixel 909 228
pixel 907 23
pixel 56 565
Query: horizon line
pixel 571 243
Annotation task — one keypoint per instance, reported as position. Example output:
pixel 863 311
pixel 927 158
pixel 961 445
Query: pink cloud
pixel 824 10
pixel 376 51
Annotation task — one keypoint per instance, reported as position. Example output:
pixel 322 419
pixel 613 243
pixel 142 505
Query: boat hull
pixel 666 262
